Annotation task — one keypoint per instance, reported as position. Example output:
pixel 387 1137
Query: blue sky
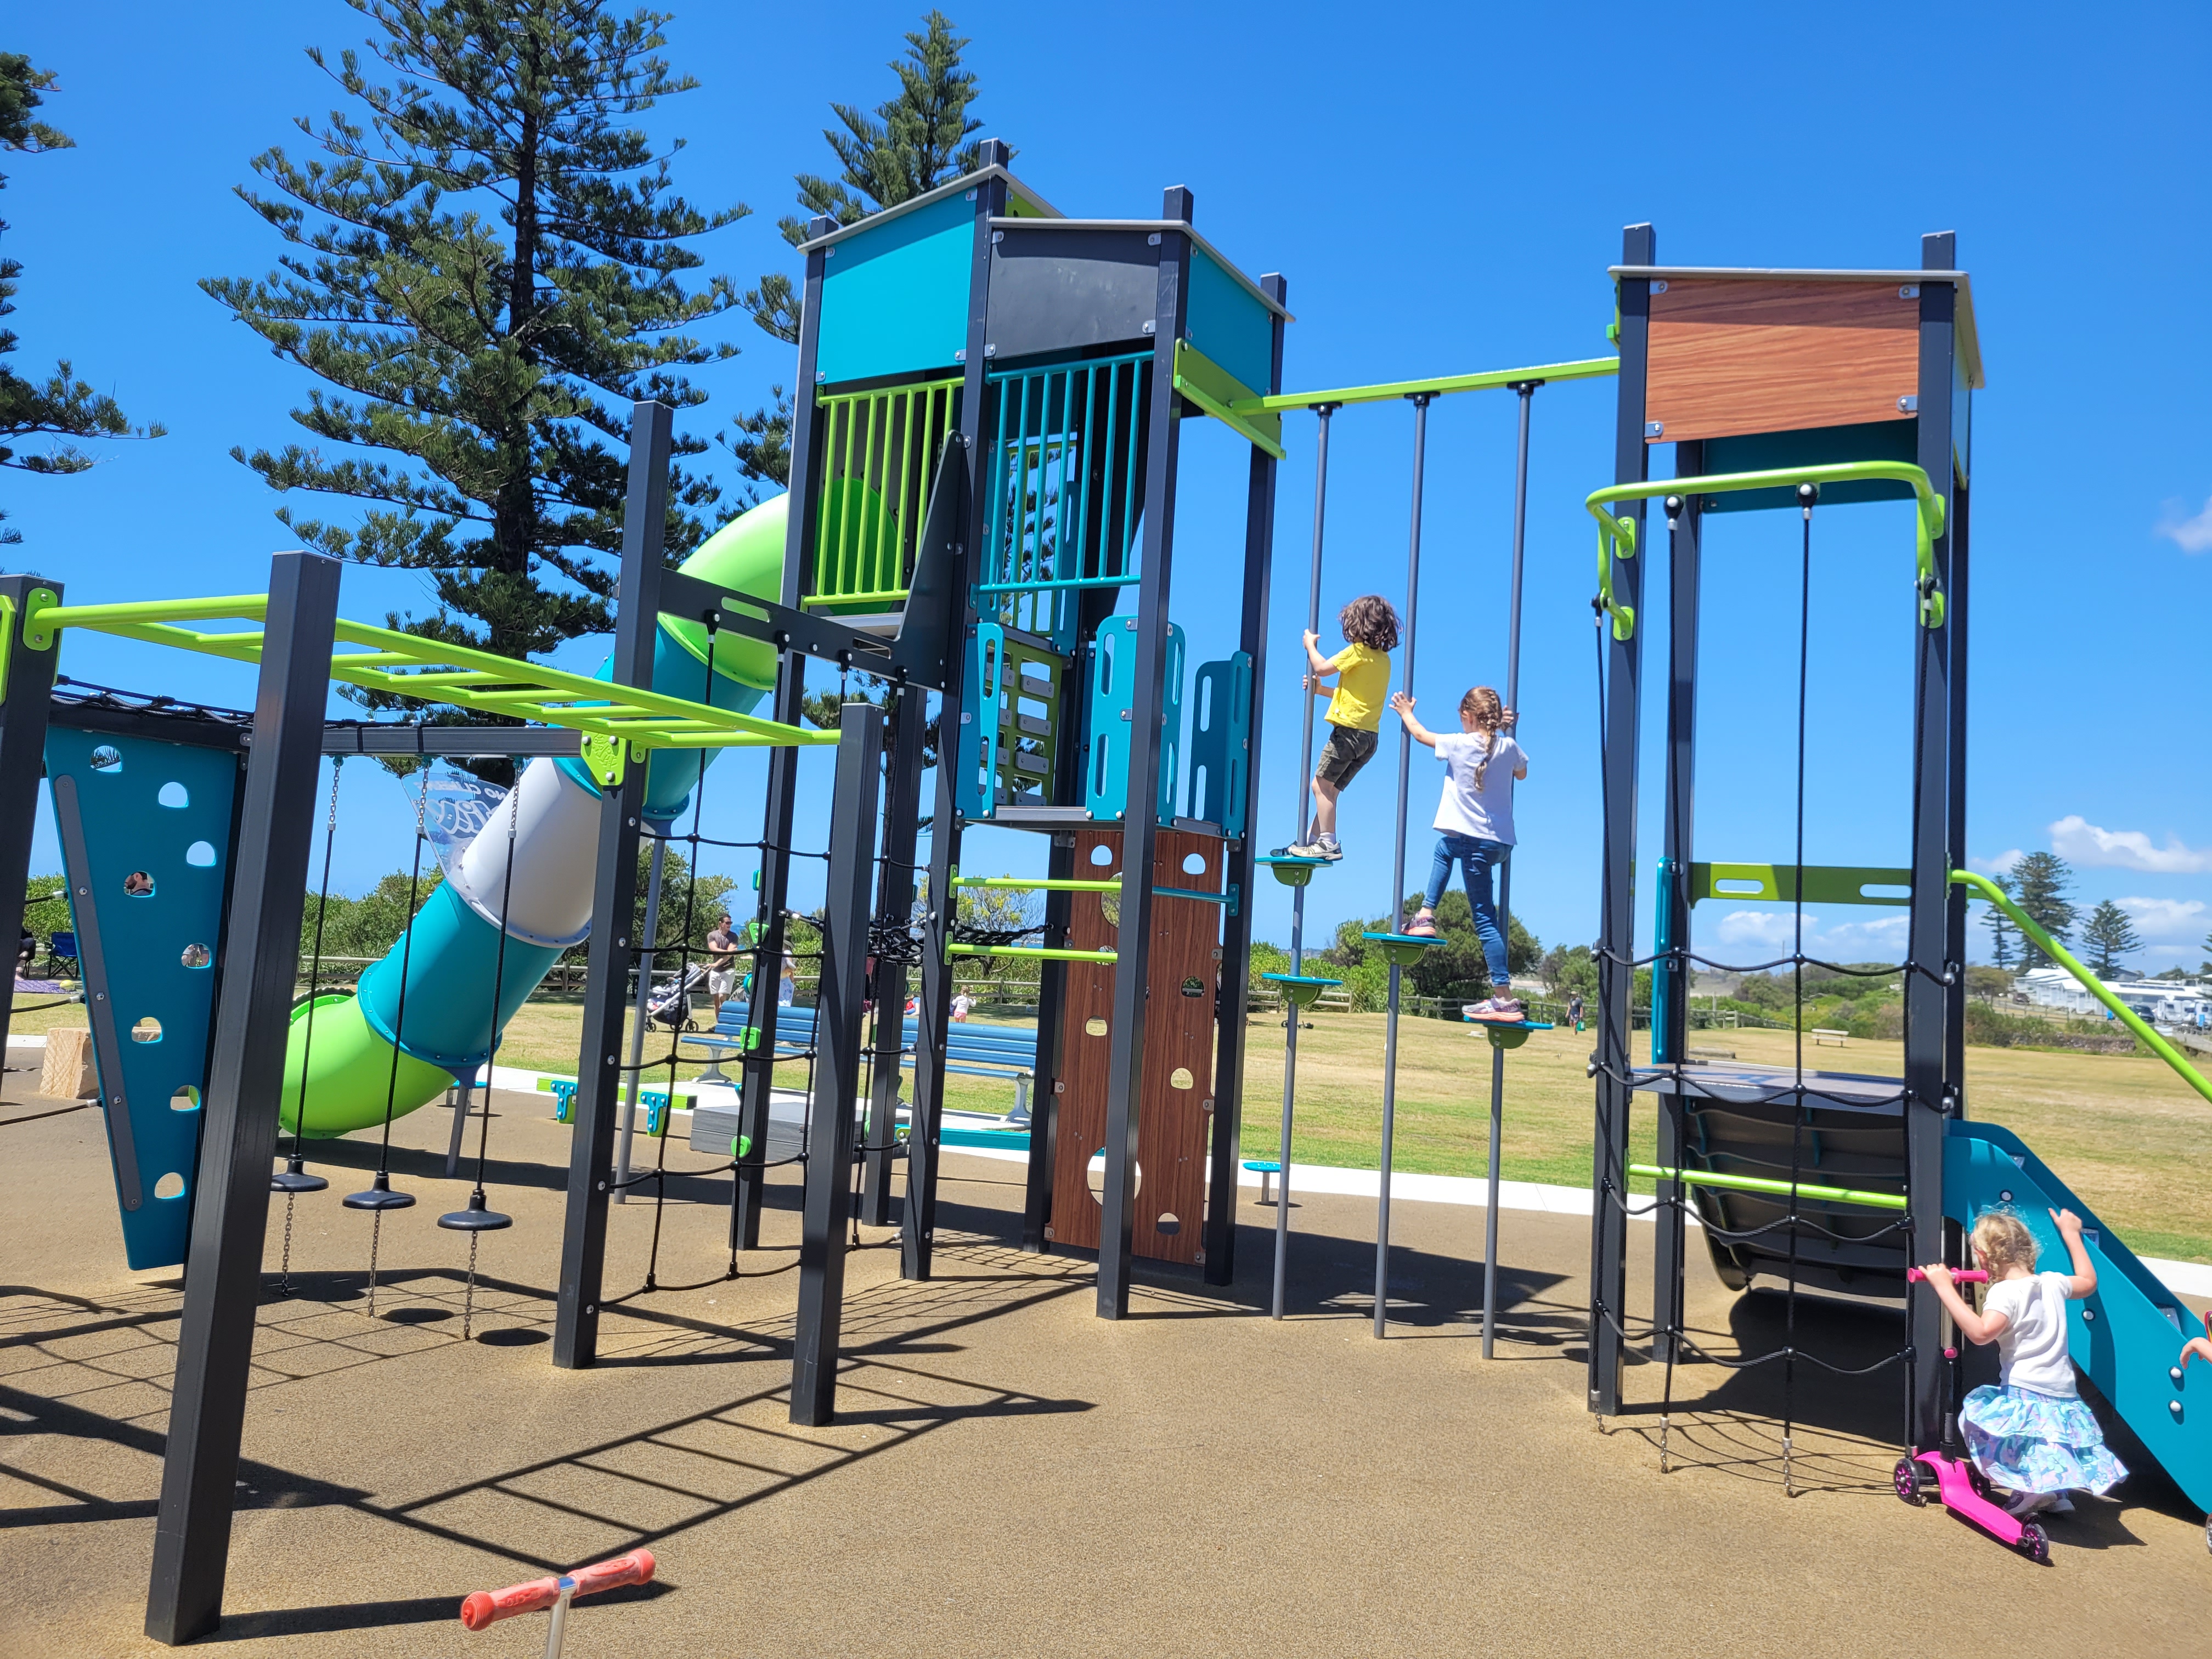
pixel 1443 186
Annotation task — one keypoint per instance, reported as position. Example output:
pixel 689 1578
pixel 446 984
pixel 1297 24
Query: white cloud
pixel 1997 866
pixel 2076 838
pixel 1889 934
pixel 1764 935
pixel 2190 534
pixel 2165 919
pixel 1772 927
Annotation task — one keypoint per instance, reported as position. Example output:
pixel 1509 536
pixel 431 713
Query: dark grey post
pixel 933 1007
pixel 1240 868
pixel 246 1074
pixel 23 702
pixel 614 902
pixel 1141 815
pixel 1928 1101
pixel 1528 392
pixel 894 905
pixel 1326 412
pixel 757 1083
pixel 1684 567
pixel 830 1112
pixel 1420 401
pixel 641 1007
pixel 1616 920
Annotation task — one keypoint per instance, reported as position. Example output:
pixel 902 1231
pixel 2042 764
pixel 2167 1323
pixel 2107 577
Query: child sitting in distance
pixel 2029 1431
pixel 1355 711
pixel 1481 764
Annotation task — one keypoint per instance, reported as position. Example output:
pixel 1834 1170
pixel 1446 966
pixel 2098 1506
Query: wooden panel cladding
pixel 1743 355
pixel 1175 1092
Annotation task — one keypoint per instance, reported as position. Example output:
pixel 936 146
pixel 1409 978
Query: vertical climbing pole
pixel 1671 989
pixel 614 902
pixel 1420 401
pixel 1140 820
pixel 894 905
pixel 933 1009
pixel 1623 659
pixel 850 889
pixel 1527 391
pixel 1299 893
pixel 246 1076
pixel 1232 1023
pixel 801 530
pixel 26 682
pixel 1930 1094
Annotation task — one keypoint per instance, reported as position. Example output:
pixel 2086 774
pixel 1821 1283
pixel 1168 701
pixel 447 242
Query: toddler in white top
pixel 2029 1433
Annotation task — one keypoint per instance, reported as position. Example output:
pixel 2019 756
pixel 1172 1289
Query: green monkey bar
pixel 404 665
pixel 1619 534
pixel 2058 953
pixel 1760 1184
pixel 1487 380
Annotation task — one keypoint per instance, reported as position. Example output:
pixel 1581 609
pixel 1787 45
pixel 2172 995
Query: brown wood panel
pixel 1176 1093
pixel 1735 356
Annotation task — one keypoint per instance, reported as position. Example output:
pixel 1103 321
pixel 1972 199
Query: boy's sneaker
pixel 1330 850
pixel 1306 849
pixel 1497 1011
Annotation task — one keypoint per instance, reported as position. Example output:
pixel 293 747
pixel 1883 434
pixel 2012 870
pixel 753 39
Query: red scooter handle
pixel 1964 1275
pixel 487 1607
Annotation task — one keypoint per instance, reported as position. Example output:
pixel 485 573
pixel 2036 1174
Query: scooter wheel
pixel 1911 1478
pixel 2033 1544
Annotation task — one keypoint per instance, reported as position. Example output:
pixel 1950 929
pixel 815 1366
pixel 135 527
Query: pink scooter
pixel 1958 1483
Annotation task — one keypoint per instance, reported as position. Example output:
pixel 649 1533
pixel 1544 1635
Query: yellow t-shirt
pixel 1363 685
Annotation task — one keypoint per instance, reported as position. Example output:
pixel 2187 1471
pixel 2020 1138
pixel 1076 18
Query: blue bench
pixel 1266 1169
pixel 976 1050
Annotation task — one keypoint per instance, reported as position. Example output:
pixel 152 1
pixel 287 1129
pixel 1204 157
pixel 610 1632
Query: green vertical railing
pixel 879 455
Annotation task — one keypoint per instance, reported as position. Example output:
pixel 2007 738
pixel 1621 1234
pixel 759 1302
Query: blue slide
pixel 2126 1337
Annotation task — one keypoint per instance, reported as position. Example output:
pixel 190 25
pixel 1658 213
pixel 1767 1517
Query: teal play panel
pixel 1221 741
pixel 2126 1337
pixel 1112 694
pixel 895 297
pixel 145 830
pixel 1230 323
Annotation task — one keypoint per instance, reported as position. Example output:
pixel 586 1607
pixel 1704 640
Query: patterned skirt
pixel 2038 1443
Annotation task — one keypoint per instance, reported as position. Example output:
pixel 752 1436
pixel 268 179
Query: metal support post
pixel 1928 1101
pixel 1528 392
pixel 894 906
pixel 25 694
pixel 1231 1023
pixel 1141 815
pixel 831 1112
pixel 633 1081
pixel 757 1083
pixel 1420 401
pixel 1052 989
pixel 933 1007
pixel 1624 663
pixel 1684 573
pixel 246 1074
pixel 614 902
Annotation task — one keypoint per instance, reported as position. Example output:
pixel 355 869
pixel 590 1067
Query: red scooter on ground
pixel 1958 1483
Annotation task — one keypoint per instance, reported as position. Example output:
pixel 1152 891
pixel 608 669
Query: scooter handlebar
pixel 1964 1275
pixel 487 1607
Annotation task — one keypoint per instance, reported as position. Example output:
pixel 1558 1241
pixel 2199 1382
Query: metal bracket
pixel 1908 405
pixel 606 758
pixel 36 637
pixel 7 641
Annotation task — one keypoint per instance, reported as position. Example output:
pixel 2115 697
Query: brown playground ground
pixel 1009 1475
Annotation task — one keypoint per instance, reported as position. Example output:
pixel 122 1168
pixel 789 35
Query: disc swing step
pixel 1404 949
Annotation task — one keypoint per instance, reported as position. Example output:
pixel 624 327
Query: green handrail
pixel 1037 885
pixel 2058 953
pixel 1621 532
pixel 1042 952
pixel 1581 369
pixel 1760 1184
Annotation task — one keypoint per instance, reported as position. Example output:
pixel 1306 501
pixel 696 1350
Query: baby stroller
pixel 671 1007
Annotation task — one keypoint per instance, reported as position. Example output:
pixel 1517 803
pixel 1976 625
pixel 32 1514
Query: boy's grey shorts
pixel 1347 749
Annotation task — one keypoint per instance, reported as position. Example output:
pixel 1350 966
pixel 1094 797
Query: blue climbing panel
pixel 1221 742
pixel 1112 691
pixel 145 834
pixel 979 727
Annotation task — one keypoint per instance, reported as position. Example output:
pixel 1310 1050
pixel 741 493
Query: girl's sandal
pixel 1421 927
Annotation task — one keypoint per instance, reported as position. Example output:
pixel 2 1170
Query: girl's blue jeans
pixel 1478 859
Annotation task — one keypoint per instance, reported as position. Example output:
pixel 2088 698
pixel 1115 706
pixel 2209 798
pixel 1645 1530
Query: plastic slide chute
pixel 342 1080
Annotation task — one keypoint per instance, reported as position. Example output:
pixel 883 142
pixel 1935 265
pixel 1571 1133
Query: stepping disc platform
pixel 1291 871
pixel 1403 950
pixel 1508 1034
pixel 1301 990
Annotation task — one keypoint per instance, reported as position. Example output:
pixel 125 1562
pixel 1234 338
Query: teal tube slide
pixel 428 1004
pixel 2126 1338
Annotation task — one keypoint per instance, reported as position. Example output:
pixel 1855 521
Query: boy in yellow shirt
pixel 1362 671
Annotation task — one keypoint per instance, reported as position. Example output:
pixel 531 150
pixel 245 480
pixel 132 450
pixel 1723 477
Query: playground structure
pixel 986 458
pixel 1810 390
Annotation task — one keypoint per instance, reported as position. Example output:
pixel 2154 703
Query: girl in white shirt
pixel 2029 1432
pixel 1481 764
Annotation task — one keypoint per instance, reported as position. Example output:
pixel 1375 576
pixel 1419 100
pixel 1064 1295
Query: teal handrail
pixel 2058 953
pixel 1621 532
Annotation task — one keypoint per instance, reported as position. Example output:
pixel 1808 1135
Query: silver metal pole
pixel 1298 893
pixel 637 1023
pixel 1505 883
pixel 1398 883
